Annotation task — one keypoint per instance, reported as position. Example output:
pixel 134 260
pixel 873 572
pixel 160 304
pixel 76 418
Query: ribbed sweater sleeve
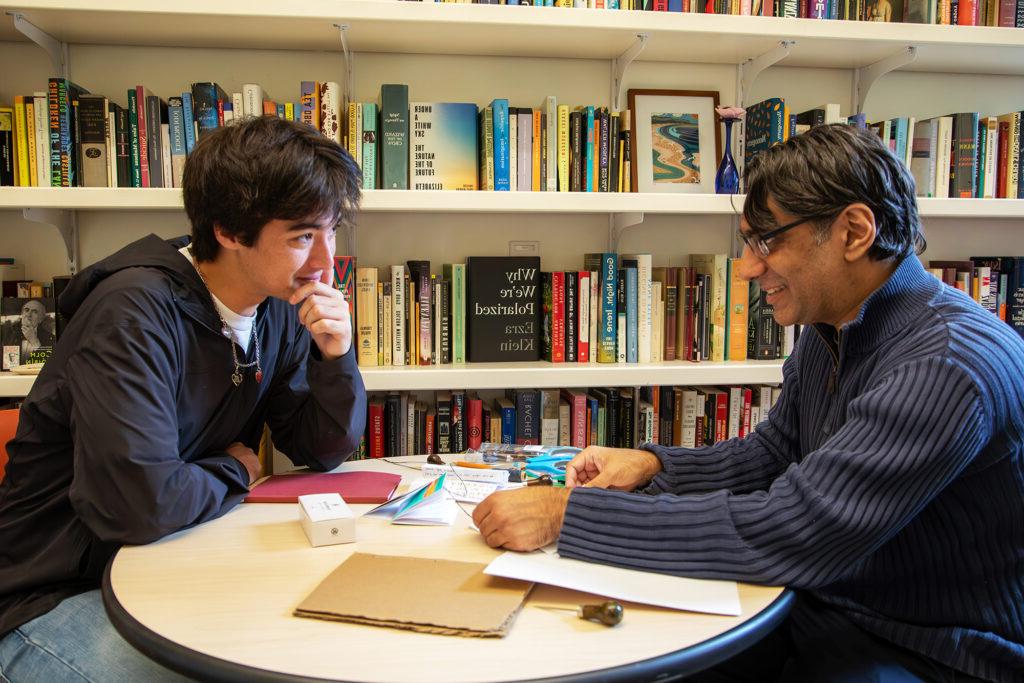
pixel 904 439
pixel 738 465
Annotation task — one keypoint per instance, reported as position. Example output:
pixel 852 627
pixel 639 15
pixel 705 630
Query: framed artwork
pixel 675 141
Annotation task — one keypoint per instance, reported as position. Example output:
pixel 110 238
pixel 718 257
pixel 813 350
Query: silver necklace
pixel 254 339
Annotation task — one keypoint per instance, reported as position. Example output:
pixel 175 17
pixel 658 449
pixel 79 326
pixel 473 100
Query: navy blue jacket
pixel 122 437
pixel 888 481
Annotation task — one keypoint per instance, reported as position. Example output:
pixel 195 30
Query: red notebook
pixel 354 487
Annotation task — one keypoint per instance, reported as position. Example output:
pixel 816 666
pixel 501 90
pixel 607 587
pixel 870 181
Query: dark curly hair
pixel 260 169
pixel 824 170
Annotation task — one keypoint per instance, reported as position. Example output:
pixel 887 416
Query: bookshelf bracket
pixel 752 68
pixel 619 66
pixel 57 50
pixel 865 77
pixel 618 223
pixel 66 223
pixel 342 30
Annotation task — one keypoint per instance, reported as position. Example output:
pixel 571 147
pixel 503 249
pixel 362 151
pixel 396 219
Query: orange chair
pixel 8 426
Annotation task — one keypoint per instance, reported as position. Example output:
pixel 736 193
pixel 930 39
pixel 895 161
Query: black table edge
pixel 683 662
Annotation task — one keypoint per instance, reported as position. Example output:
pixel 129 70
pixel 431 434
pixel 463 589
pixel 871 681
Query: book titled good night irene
pixel 503 308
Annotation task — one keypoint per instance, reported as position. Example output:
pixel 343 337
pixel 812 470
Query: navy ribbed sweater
pixel 888 482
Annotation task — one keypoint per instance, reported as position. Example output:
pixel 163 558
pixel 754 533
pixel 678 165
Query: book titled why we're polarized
pixel 502 308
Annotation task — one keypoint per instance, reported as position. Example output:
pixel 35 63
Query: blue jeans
pixel 75 642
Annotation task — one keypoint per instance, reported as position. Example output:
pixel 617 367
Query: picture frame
pixel 680 129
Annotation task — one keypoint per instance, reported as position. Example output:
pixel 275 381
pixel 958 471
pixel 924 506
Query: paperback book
pixel 444 150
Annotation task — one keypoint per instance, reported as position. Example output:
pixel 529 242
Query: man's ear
pixel 860 232
pixel 225 239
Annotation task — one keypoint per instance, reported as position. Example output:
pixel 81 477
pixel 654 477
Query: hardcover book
pixel 393 141
pixel 309 103
pixel 345 280
pixel 205 97
pixel 765 126
pixel 499 109
pixel 503 308
pixel 60 95
pixel 443 154
pixel 353 487
pixel 455 273
pixel 330 110
pixel 963 162
pixel 92 140
pixel 27 330
pixel 6 147
pixel 367 325
pixel 179 147
pixel 605 265
pixel 369 160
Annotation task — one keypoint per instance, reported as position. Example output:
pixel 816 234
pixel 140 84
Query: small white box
pixel 326 519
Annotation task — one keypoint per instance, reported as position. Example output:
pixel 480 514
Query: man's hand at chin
pixel 324 312
pixel 522 519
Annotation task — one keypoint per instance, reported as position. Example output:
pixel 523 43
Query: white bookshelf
pixel 387 26
pixel 406 201
pixel 553 375
pixel 458 52
pixel 540 375
pixel 389 201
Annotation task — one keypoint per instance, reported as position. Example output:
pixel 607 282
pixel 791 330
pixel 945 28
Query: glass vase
pixel 727 180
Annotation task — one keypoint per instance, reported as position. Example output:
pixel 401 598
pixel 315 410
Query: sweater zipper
pixel 833 376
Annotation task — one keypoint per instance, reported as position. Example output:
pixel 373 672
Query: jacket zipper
pixel 833 377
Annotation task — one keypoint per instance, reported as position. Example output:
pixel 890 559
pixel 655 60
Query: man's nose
pixel 751 266
pixel 323 251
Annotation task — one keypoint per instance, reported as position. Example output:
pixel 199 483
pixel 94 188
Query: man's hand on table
pixel 620 469
pixel 521 519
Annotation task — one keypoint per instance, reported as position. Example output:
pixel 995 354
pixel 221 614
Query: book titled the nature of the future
pixel 443 147
pixel 502 308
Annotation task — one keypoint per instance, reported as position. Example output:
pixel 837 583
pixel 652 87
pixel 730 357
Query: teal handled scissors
pixel 553 465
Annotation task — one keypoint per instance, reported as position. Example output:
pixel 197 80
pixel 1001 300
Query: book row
pixel 613 310
pixel 458 146
pixel 995 282
pixel 1006 13
pixel 68 137
pixel 399 423
pixel 964 155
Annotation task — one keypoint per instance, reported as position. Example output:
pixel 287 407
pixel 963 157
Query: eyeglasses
pixel 759 243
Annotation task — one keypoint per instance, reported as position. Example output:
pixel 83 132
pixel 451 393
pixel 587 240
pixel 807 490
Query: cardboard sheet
pixel 429 596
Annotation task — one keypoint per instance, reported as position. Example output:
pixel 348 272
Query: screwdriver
pixel 608 613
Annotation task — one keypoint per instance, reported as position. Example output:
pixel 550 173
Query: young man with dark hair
pixel 146 419
pixel 886 486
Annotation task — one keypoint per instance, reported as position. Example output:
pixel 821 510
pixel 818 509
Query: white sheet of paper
pixel 649 588
pixel 439 510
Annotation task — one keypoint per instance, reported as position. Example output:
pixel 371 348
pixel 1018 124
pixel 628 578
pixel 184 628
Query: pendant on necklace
pixel 236 377
pixel 259 376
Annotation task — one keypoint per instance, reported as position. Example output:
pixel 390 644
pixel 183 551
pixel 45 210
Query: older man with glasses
pixel 885 486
